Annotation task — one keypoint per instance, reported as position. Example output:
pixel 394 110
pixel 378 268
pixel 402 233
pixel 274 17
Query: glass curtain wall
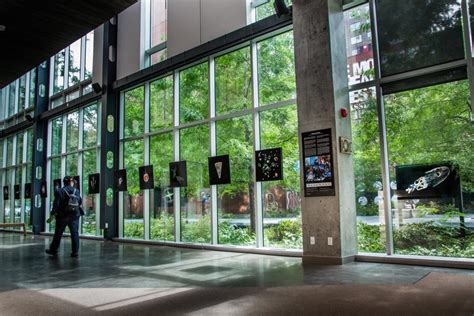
pixel 74 151
pixel 428 125
pixel 232 104
pixel 16 166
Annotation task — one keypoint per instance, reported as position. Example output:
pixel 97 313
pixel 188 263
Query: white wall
pixel 128 38
pixel 97 64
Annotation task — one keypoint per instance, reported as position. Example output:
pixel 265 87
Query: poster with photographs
pixel 178 176
pixel 219 170
pixel 6 193
pixel 17 191
pixel 27 192
pixel 269 164
pixel 44 189
pixel 318 167
pixel 94 183
pixel 77 182
pixel 57 183
pixel 146 177
pixel 121 180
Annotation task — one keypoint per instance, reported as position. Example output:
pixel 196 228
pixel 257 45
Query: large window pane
pixel 162 197
pixel 276 69
pixel 161 103
pixel 11 101
pixel 194 94
pixel 360 57
pixel 22 93
pixel 265 10
pixel 17 202
pixel 89 166
pixel 367 172
pixel 32 94
pixel 89 55
pixel 7 216
pixel 196 197
pixel 431 126
pixel 281 199
pixel 74 63
pixel 10 158
pixel 72 132
pixel 233 81
pixel 133 158
pixel 56 137
pixel 58 80
pixel 90 126
pixel 159 16
pixel 134 112
pixel 430 34
pixel 71 165
pixel 235 202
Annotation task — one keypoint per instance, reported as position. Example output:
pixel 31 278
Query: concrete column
pixel 321 78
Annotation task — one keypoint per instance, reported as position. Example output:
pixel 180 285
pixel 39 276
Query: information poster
pixel 318 167
pixel 121 180
pixel 178 175
pixel 219 170
pixel 146 177
pixel 94 183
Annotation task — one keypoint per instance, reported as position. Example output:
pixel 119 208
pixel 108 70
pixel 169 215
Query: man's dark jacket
pixel 60 200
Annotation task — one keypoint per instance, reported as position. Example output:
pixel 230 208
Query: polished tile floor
pixel 117 265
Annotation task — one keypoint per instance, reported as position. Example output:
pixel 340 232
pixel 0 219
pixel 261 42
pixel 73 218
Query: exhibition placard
pixel 318 167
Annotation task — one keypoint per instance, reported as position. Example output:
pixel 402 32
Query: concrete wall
pixel 128 37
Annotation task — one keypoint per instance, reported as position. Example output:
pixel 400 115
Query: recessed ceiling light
pixel 2 28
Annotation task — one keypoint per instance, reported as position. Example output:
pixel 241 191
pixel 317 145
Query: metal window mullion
pixel 256 146
pixel 97 196
pixel 146 146
pixel 81 129
pixel 121 161
pixel 17 95
pixel 82 61
pixel 48 171
pixel 63 146
pixel 67 51
pixel 145 26
pixel 382 134
pixel 80 167
pixel 213 150
pixel 23 175
pixel 13 178
pixel 52 66
pixel 177 192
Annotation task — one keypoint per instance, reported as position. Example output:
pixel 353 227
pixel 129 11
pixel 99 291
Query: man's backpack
pixel 72 205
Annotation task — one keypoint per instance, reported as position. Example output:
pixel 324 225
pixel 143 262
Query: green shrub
pixel 198 231
pixel 162 227
pixel 370 237
pixel 286 234
pixel 231 234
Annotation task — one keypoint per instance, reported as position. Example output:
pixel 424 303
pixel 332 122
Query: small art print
pixel 121 180
pixel 146 177
pixel 17 191
pixel 178 175
pixel 94 183
pixel 6 193
pixel 219 170
pixel 269 164
pixel 27 192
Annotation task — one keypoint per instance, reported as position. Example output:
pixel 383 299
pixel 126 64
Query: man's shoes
pixel 74 255
pixel 51 253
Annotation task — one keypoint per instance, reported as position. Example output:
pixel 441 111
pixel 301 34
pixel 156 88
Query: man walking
pixel 67 209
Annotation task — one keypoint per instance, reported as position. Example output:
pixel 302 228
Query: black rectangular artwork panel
pixel 17 191
pixel 44 189
pixel 146 177
pixel 94 183
pixel 57 184
pixel 219 170
pixel 6 193
pixel 439 180
pixel 121 180
pixel 269 164
pixel 77 182
pixel 318 168
pixel 27 192
pixel 178 174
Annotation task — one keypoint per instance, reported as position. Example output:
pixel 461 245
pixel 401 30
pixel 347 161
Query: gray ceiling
pixel 36 30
